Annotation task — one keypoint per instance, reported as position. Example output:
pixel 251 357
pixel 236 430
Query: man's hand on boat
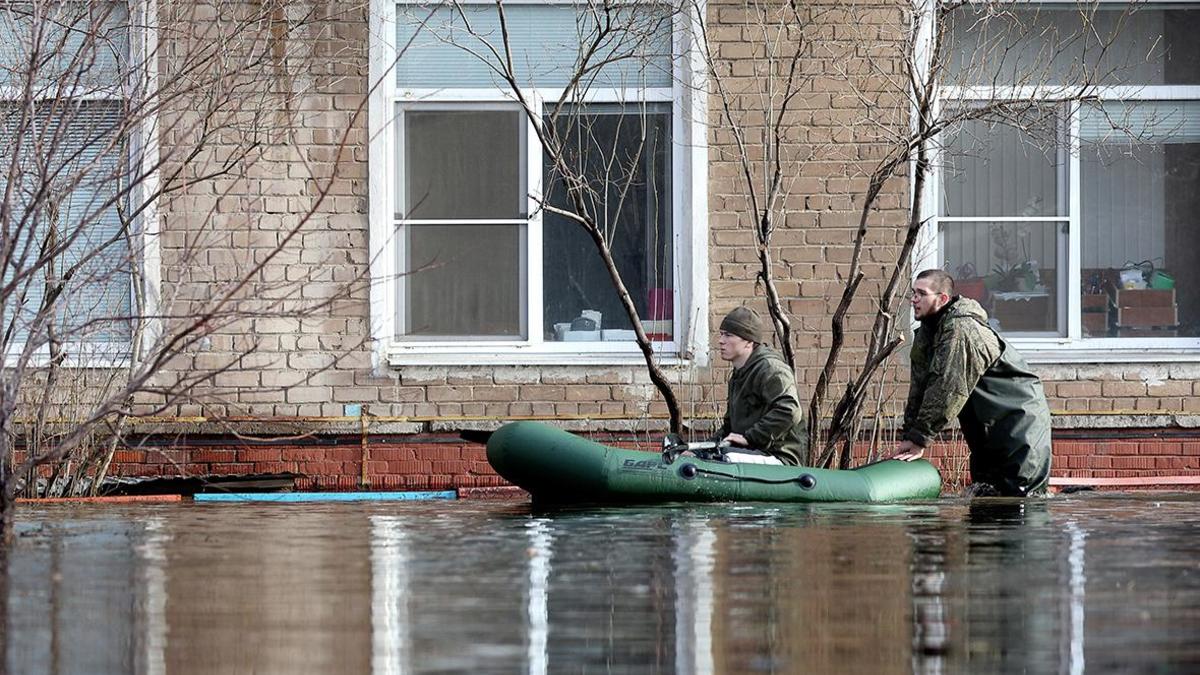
pixel 907 451
pixel 736 439
pixel 673 446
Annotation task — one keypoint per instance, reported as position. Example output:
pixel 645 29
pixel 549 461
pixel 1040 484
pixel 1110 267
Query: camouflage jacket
pixel 763 406
pixel 962 368
pixel 950 352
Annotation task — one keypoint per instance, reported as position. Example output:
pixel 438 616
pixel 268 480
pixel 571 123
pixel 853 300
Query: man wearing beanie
pixel 763 410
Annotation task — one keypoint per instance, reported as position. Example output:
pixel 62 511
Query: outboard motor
pixel 673 446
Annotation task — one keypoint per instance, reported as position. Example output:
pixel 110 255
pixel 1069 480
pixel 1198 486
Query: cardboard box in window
pixel 1147 332
pixel 1146 317
pixel 1146 308
pixel 1094 302
pixel 1095 324
pixel 1145 297
pixel 1094 308
pixel 1023 312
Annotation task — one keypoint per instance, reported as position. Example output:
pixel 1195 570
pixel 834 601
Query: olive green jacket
pixel 763 406
pixel 962 368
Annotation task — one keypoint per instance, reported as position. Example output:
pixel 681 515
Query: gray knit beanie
pixel 744 323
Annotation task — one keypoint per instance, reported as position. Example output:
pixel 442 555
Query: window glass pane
pixel 69 170
pixel 463 164
pixel 464 280
pixel 79 44
pixel 1109 43
pixel 1012 269
pixel 452 46
pixel 1139 177
pixel 1012 169
pixel 624 155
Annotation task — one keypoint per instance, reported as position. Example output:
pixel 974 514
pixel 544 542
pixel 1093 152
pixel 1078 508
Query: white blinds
pixel 1141 122
pixel 81 46
pixel 452 47
pixel 80 167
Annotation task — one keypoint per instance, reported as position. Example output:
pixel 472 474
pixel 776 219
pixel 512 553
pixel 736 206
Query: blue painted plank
pixel 294 497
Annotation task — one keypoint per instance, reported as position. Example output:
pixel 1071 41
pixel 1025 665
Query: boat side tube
pixel 555 465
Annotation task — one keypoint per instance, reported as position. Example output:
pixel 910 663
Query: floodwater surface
pixel 1099 583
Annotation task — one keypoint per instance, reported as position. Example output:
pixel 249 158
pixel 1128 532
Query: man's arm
pixel 957 363
pixel 919 358
pixel 916 392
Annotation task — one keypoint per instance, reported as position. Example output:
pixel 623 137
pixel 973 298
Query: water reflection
pixel 539 582
pixel 1075 561
pixel 973 573
pixel 389 593
pixel 695 547
pixel 988 586
pixel 87 597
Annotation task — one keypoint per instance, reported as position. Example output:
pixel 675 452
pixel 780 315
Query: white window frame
pixel 689 213
pixel 430 100
pixel 104 354
pixel 1073 347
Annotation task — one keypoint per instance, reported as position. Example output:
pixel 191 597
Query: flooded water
pixel 1096 583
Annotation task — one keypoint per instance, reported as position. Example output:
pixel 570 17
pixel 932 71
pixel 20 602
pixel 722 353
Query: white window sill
pixel 1108 350
pixel 545 354
pixel 91 355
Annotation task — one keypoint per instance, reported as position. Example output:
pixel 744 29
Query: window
pixel 626 156
pixel 67 272
pixel 1074 223
pixel 462 218
pixel 472 231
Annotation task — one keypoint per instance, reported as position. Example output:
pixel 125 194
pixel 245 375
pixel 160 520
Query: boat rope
pixel 805 480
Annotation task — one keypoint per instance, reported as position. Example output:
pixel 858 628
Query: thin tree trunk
pixel 4 586
pixel 845 424
pixel 7 501
pixel 783 325
pixel 674 412
pixel 106 459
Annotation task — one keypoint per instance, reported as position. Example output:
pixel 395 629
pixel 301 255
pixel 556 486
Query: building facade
pixel 406 226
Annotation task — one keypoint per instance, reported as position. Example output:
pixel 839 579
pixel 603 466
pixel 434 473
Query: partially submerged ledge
pixel 498 493
pixel 301 497
pixel 116 499
pixel 1122 481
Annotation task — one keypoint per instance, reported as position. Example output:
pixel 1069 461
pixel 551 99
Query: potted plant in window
pixel 1019 300
pixel 1015 271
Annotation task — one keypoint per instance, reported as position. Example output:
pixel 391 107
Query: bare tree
pixel 886 63
pixel 983 46
pixel 893 59
pixel 760 113
pixel 108 115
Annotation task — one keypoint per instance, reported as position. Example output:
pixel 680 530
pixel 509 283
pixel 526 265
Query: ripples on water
pixel 1089 583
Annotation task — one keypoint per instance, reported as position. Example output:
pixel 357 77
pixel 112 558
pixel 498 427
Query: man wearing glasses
pixel 961 367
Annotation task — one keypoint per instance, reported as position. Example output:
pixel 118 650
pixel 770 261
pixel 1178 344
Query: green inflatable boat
pixel 557 466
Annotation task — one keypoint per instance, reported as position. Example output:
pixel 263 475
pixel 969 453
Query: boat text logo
pixel 641 465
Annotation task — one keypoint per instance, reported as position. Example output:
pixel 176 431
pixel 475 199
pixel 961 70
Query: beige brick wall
pixel 310 352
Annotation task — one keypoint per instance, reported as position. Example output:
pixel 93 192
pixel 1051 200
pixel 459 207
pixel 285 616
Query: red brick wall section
pixel 446 463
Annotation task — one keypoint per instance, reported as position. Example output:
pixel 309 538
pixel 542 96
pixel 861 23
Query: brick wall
pixel 445 462
pixel 310 360
pixel 306 355
pixel 1115 388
